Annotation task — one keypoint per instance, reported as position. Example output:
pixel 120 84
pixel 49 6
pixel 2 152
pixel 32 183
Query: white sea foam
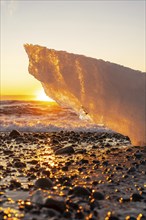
pixel 42 117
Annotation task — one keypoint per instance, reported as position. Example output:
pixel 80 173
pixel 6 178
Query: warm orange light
pixel 41 96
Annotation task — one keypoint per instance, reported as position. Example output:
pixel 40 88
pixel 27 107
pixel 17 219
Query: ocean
pixel 40 116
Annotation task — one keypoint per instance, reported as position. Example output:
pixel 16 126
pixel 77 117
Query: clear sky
pixel 109 30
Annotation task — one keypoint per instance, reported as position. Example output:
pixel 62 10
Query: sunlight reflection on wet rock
pixel 76 185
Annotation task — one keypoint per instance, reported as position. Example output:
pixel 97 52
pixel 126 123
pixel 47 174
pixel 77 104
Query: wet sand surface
pixel 68 175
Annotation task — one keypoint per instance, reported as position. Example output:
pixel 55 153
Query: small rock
pixel 138 155
pixel 98 196
pixel 65 150
pixel 73 205
pixel 131 170
pixel 119 168
pixel 79 215
pixel 65 168
pixel 19 164
pixel 124 199
pixel 43 183
pixel 94 204
pixel 58 205
pixel 14 133
pixel 33 162
pixel 136 197
pixel 81 191
pixel 84 161
pixel 67 214
pixel 81 151
pixel 105 163
pixel 96 162
pixel 7 152
pixel 15 184
pixel 46 172
pixel 112 217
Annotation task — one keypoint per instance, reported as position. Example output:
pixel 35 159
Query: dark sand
pixel 68 175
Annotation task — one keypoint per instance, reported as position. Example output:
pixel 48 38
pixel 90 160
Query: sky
pixel 110 30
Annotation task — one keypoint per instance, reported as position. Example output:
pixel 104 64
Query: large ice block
pixel 105 92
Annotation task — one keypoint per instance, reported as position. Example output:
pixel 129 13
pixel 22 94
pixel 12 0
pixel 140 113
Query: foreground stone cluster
pixel 68 175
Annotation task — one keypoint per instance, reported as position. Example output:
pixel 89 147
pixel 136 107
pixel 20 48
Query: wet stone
pixel 119 168
pixel 132 218
pixel 65 150
pixel 65 168
pixel 81 151
pixel 33 162
pixel 58 205
pixel 79 215
pixel 46 172
pixel 138 155
pixel 124 199
pixel 14 133
pixel 7 152
pixel 14 184
pixel 67 214
pixel 113 218
pixel 98 196
pixel 96 162
pixel 131 170
pixel 136 197
pixel 94 204
pixel 105 163
pixel 19 164
pixel 73 205
pixel 43 183
pixel 80 191
pixel 84 161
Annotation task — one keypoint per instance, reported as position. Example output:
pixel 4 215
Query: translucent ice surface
pixel 104 92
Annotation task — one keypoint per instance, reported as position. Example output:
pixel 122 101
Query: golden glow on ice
pixel 110 94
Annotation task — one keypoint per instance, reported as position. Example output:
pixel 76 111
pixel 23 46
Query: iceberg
pixel 107 93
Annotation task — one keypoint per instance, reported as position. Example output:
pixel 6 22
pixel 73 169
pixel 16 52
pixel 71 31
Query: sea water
pixel 41 116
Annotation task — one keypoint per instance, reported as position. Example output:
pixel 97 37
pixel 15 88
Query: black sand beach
pixel 68 175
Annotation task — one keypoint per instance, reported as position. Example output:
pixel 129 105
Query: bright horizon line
pixel 40 96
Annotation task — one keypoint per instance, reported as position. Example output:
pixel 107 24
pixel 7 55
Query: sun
pixel 41 96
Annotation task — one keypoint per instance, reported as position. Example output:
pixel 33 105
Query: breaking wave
pixel 37 116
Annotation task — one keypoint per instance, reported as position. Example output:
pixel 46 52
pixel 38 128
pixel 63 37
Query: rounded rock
pixel 19 164
pixel 14 133
pixel 136 197
pixel 15 184
pixel 58 205
pixel 81 191
pixel 65 150
pixel 98 196
pixel 43 183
